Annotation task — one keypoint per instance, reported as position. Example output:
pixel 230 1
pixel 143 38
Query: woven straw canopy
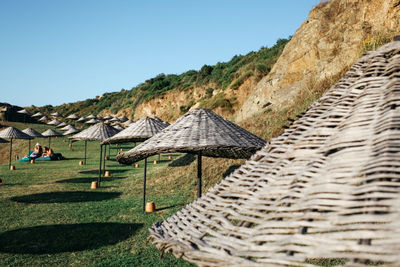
pixel 118 127
pixel 199 130
pixel 73 117
pixel 123 118
pixel 81 119
pixel 54 122
pixel 32 132
pixel 51 133
pixel 115 119
pixel 55 114
pixel 14 133
pixel 328 187
pixel 62 124
pixel 38 114
pixel 71 131
pixel 67 127
pixel 3 140
pixel 91 116
pixel 108 117
pixel 92 121
pixel 44 118
pixel 23 111
pixel 100 132
pixel 139 131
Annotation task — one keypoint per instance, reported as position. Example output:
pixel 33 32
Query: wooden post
pixel 101 159
pixel 9 164
pixel 84 162
pixel 104 160
pixel 49 142
pixel 199 175
pixel 144 184
pixel 29 149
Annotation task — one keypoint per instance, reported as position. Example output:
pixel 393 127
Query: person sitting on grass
pixel 37 152
pixel 48 152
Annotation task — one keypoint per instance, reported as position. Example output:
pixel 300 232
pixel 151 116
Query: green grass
pixel 50 216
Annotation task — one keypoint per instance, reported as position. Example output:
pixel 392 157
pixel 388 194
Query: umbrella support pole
pixel 9 164
pixel 104 160
pixel 49 142
pixel 199 175
pixel 144 183
pixel 109 150
pixel 101 155
pixel 84 162
pixel 29 147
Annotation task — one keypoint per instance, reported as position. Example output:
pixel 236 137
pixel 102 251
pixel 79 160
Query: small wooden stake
pixel 106 158
pixel 81 162
pixel 32 161
pixel 12 168
pixel 94 185
pixel 170 157
pixel 107 174
pixel 155 162
pixel 150 207
pixel 137 165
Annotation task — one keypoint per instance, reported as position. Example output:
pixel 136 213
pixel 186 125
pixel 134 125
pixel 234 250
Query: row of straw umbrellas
pixel 200 132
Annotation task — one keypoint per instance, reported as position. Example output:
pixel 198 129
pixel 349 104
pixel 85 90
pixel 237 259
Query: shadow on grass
pixel 89 180
pixel 169 207
pixel 185 160
pixel 97 171
pixel 51 239
pixel 66 197
pixel 230 170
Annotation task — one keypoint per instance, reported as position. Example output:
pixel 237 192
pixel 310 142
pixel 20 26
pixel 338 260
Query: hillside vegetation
pixel 215 78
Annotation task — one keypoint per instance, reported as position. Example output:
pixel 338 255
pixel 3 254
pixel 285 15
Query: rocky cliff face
pixel 328 42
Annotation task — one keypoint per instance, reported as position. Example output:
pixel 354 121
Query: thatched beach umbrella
pixel 25 112
pixel 62 124
pixel 38 114
pixel 123 118
pixel 54 122
pixel 92 121
pixel 128 122
pixel 73 116
pixel 81 119
pixel 108 117
pixel 91 116
pixel 55 114
pixel 71 131
pixel 44 118
pixel 98 132
pixel 138 132
pixel 328 187
pixel 13 133
pixel 114 119
pixel 33 133
pixel 67 127
pixel 118 127
pixel 51 133
pixel 201 132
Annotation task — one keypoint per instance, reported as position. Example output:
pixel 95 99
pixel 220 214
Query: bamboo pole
pixel 144 183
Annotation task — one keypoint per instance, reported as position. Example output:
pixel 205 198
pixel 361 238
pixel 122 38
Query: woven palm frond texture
pixel 199 130
pixel 138 131
pixel 328 187
pixel 99 132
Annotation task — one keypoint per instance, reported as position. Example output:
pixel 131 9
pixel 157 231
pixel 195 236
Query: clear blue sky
pixel 55 52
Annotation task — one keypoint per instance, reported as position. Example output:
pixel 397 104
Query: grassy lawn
pixel 50 216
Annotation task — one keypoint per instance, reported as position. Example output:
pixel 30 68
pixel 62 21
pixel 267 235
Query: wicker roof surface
pixel 100 132
pixel 118 127
pixel 92 121
pixel 62 124
pixel 198 130
pixel 108 117
pixel 55 114
pixel 32 132
pixel 71 131
pixel 13 133
pixel 81 119
pixel 3 140
pixel 54 122
pixel 328 187
pixel 23 111
pixel 38 114
pixel 123 118
pixel 91 116
pixel 73 117
pixel 138 131
pixel 51 133
pixel 44 118
pixel 67 127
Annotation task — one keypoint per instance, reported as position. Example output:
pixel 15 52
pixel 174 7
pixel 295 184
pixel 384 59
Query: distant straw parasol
pixel 54 122
pixel 51 133
pixel 118 127
pixel 97 132
pixel 81 119
pixel 73 117
pixel 13 133
pixel 62 124
pixel 55 114
pixel 91 116
pixel 123 118
pixel 25 112
pixel 38 114
pixel 44 118
pixel 92 121
pixel 67 127
pixel 33 133
pixel 201 132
